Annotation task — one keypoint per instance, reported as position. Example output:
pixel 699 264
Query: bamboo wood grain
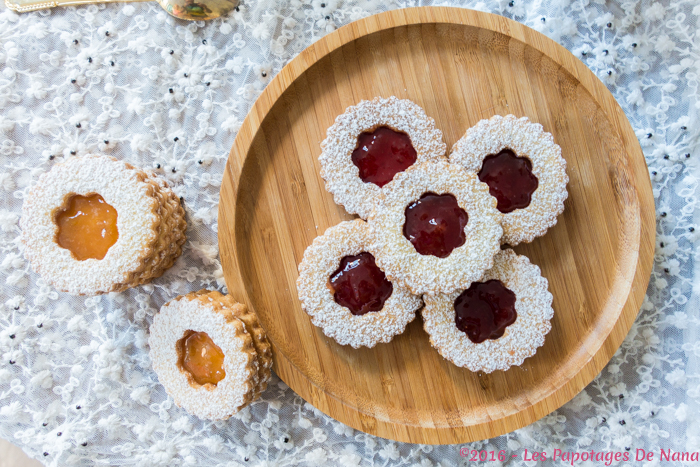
pixel 461 66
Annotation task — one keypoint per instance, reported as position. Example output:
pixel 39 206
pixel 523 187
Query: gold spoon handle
pixel 191 10
pixel 22 6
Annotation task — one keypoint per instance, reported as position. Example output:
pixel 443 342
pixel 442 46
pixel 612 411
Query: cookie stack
pixel 435 228
pixel 94 224
pixel 210 353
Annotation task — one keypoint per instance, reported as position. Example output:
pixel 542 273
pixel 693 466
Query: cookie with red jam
pixel 435 228
pixel 524 170
pixel 495 323
pixel 370 143
pixel 346 294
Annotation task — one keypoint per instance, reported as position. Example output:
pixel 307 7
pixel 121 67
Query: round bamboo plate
pixel 461 66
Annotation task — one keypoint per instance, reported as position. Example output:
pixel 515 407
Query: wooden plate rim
pixel 636 285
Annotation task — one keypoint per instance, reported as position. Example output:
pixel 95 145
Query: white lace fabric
pixel 76 385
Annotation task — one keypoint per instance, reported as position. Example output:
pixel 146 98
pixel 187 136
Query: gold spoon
pixel 198 10
pixel 192 10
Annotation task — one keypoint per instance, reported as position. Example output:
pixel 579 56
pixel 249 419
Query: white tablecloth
pixel 130 81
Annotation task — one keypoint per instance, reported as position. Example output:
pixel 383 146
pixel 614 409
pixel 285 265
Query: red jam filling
pixel 359 285
pixel 381 154
pixel 510 180
pixel 435 224
pixel 485 310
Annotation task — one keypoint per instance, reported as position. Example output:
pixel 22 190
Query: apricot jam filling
pixel 87 226
pixel 201 357
pixel 510 180
pixel 381 154
pixel 435 224
pixel 485 310
pixel 359 285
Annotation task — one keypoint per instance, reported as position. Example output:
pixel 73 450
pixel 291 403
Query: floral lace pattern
pixel 76 386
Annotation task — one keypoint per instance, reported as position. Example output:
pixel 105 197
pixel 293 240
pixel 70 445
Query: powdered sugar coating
pixel 320 260
pixel 426 273
pixel 262 346
pixel 529 140
pixel 150 223
pixel 337 169
pixel 204 314
pixel 521 339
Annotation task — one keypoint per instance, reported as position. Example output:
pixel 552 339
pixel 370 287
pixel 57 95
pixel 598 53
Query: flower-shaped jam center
pixel 201 357
pixel 359 285
pixel 381 154
pixel 485 310
pixel 435 224
pixel 510 180
pixel 87 226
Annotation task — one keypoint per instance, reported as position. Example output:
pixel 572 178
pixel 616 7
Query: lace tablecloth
pixel 76 385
